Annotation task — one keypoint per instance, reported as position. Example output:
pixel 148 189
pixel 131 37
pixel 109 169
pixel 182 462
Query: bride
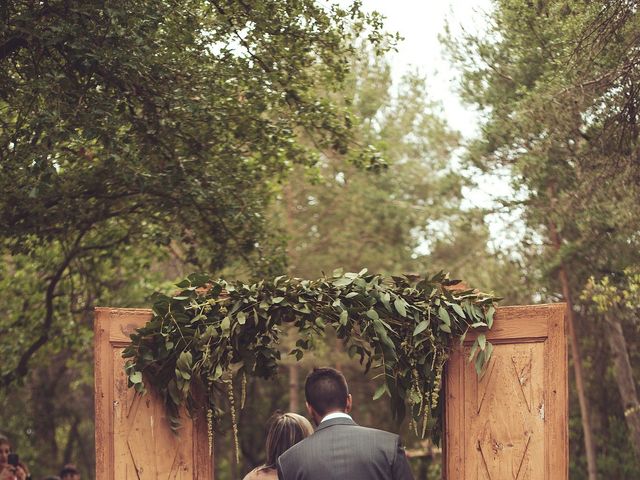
pixel 285 430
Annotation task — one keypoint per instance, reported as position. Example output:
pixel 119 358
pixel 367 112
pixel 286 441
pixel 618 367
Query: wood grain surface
pixel 133 436
pixel 511 423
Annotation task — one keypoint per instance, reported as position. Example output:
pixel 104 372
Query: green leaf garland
pixel 212 329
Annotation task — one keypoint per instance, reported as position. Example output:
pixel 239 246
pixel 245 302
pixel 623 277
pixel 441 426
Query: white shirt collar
pixel 333 415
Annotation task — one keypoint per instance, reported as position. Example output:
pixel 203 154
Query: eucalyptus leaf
pixel 225 324
pixel 184 361
pixel 479 363
pixel 421 327
pixel 399 304
pixel 488 351
pixel 490 313
pixel 478 325
pixel 444 315
pixel 372 314
pixel 482 341
pixel 381 390
pixel 343 282
pixel 135 377
pixel 458 309
pixel 473 350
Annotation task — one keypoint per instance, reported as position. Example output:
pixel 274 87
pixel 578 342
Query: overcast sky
pixel 420 22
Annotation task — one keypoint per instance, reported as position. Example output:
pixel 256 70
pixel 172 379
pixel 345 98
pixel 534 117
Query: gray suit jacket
pixel 341 449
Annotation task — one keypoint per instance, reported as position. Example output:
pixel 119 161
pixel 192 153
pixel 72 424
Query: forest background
pixel 142 141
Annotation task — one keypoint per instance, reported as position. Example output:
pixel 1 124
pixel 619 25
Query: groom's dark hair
pixel 326 389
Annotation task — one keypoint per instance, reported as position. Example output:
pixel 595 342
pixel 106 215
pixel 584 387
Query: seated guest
pixel 285 430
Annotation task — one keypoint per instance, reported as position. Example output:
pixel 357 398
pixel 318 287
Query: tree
pixel 555 81
pixel 339 216
pixel 615 300
pixel 48 414
pixel 143 123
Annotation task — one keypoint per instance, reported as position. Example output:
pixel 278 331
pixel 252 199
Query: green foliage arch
pixel 404 326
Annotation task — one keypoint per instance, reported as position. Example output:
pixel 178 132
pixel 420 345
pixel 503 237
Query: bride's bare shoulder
pixel 262 474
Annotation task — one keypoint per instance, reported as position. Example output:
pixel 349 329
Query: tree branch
pixel 22 367
pixel 11 46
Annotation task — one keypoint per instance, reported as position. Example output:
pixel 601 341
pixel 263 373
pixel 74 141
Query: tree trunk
pixel 624 378
pixel 292 265
pixel 294 383
pixel 589 445
pixel 72 438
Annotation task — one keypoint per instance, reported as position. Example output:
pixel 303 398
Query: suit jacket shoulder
pixel 341 449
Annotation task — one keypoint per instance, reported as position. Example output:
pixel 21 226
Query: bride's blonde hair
pixel 285 430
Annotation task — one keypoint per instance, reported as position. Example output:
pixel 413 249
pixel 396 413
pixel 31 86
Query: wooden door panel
pixel 133 436
pixel 507 412
pixel 148 448
pixel 512 422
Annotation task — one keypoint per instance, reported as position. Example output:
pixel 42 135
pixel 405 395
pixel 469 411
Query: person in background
pixel 284 431
pixel 69 472
pixel 52 477
pixel 5 449
pixel 7 471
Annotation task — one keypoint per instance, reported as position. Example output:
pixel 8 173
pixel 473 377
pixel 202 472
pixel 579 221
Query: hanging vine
pixel 402 326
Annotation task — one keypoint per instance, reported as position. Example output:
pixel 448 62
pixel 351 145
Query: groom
pixel 341 449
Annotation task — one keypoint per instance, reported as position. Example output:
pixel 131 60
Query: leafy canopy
pixel 125 126
pixel 169 115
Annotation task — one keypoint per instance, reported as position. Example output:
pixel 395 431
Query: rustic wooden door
pixel 133 438
pixel 512 423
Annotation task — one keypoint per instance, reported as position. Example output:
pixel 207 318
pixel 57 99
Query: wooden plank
pixel 505 429
pixel 102 378
pixel 123 322
pixel 125 408
pixel 453 450
pixel 557 397
pixel 519 323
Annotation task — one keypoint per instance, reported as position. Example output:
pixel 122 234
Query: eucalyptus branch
pixel 213 328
